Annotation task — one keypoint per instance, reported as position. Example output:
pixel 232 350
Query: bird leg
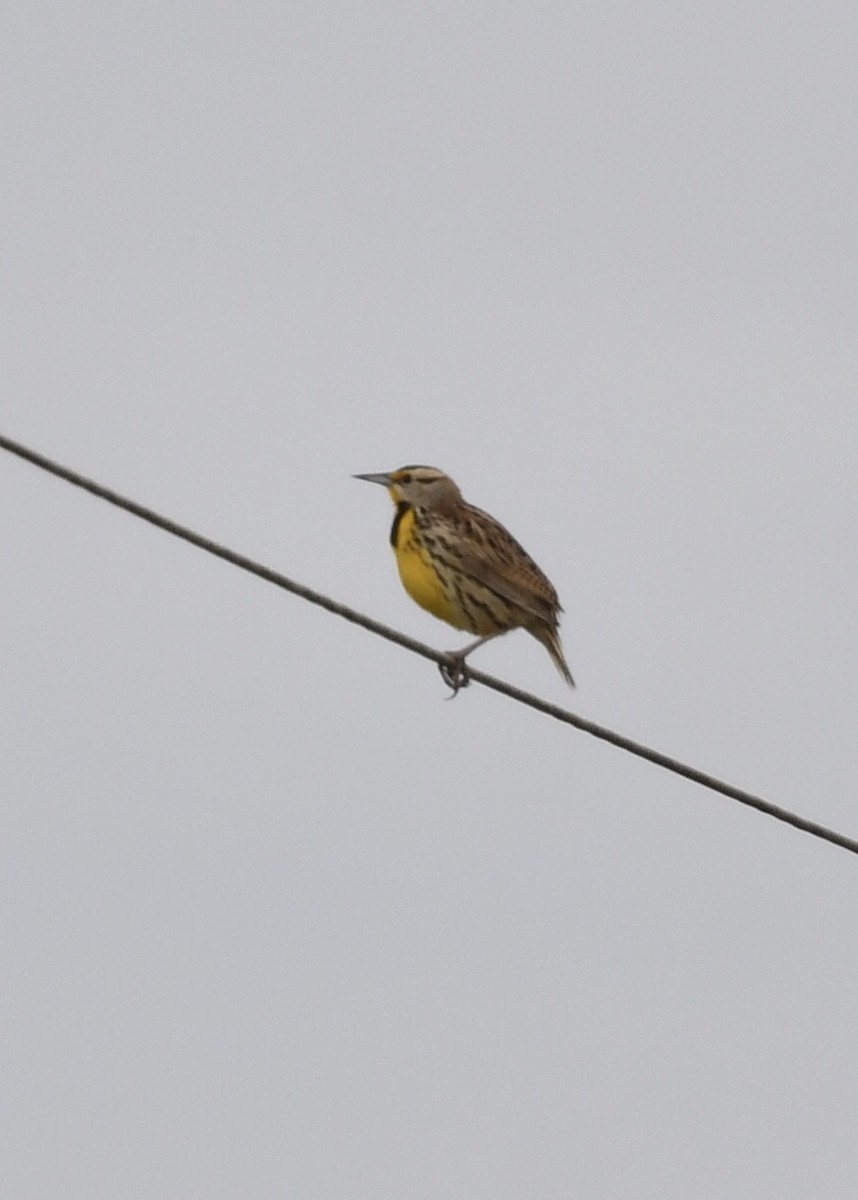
pixel 453 671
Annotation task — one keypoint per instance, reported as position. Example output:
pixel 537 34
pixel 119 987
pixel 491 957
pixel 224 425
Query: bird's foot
pixel 454 673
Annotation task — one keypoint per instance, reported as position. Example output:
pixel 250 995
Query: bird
pixel 464 567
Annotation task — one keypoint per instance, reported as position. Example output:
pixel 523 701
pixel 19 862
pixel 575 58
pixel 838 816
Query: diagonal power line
pixel 393 635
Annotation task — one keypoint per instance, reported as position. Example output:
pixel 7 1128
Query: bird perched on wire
pixel 462 566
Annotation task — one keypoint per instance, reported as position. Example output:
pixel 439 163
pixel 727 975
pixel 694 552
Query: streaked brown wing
pixel 493 556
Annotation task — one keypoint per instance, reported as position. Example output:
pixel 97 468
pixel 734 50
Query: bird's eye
pixel 406 478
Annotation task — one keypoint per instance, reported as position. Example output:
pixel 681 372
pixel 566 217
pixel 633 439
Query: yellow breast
pixel 418 574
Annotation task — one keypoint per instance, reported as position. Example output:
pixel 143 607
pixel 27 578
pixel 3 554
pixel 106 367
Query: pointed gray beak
pixel 384 480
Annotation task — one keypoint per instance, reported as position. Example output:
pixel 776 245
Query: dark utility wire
pixel 437 656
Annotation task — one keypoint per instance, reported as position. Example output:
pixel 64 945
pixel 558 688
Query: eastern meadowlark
pixel 463 566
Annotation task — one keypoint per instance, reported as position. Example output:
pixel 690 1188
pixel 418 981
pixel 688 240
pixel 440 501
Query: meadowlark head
pixel 419 487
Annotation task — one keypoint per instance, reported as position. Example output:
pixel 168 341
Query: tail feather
pixel 550 639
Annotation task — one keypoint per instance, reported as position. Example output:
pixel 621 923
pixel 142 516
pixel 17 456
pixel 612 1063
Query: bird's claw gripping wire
pixel 454 673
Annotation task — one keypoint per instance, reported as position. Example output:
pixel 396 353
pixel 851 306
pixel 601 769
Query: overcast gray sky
pixel 275 920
